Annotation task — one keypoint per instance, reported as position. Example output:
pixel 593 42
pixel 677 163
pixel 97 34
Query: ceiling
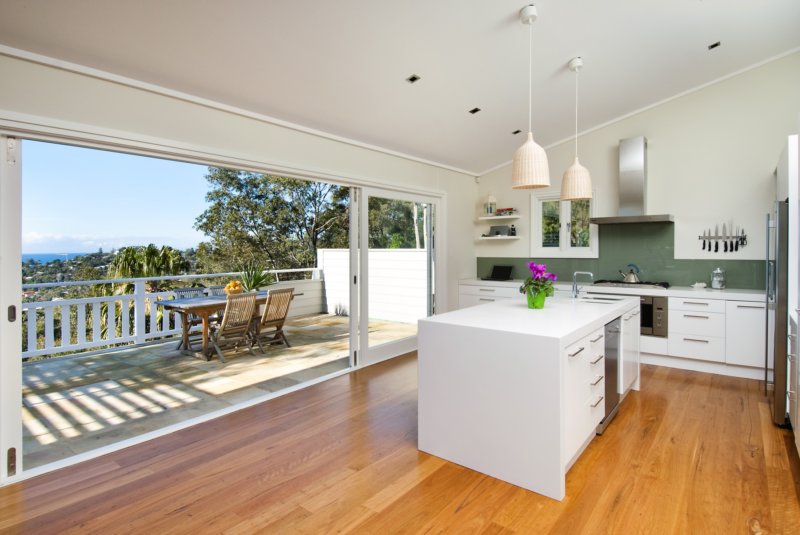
pixel 340 67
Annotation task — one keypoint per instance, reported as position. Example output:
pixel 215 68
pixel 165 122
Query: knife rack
pixel 733 239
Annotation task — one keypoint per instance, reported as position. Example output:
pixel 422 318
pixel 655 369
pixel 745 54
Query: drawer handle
pixel 599 337
pixel 596 403
pixel 636 313
pixel 695 316
pixel 578 351
pixel 695 340
pixel 599 378
pixel 760 307
pixel 484 299
pixel 598 359
pixel 695 303
pixel 486 289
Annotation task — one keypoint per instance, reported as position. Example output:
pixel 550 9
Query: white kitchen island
pixel 515 393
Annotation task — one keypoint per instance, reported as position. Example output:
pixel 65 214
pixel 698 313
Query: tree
pixel 147 261
pixel 394 224
pixel 274 221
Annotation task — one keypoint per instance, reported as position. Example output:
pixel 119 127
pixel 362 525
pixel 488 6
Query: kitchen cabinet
pixel 794 383
pixel 481 292
pixel 697 328
pixel 583 391
pixel 629 365
pixel 745 336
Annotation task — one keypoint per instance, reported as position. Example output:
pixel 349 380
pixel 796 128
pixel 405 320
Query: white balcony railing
pixel 83 324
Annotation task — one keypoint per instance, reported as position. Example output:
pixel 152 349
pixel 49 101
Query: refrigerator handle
pixel 768 297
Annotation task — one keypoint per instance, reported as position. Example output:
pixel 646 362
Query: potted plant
pixel 254 276
pixel 538 286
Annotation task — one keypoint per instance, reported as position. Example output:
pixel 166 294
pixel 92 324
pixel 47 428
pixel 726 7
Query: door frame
pixel 371 355
pixel 11 305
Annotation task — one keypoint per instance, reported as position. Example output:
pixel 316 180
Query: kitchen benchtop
pixel 562 318
pixel 730 294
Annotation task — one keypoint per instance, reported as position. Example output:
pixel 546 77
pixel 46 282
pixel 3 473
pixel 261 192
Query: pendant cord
pixel 530 75
pixel 576 113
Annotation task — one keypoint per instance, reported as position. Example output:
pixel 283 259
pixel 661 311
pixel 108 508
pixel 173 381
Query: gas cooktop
pixel 642 284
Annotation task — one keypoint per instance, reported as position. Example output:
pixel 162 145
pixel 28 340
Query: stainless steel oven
pixel 654 315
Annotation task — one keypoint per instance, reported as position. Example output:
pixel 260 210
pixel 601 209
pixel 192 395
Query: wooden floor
pixel 690 453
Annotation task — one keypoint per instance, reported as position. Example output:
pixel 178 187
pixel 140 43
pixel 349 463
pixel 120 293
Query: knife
pixel 704 240
pixel 716 238
pixel 730 238
pixel 736 241
pixel 724 239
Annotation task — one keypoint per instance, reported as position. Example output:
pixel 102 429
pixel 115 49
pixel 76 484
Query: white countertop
pixel 731 294
pixel 562 317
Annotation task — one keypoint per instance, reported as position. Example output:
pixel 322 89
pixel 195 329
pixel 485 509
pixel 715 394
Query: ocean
pixel 44 258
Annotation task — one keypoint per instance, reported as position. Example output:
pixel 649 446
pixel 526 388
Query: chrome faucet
pixel 575 281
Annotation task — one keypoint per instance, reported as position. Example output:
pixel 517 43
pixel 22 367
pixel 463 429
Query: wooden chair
pixel 270 326
pixel 191 320
pixel 236 320
pixel 217 289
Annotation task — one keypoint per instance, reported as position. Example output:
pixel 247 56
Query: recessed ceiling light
pixel 515 132
pixel 473 111
pixel 413 78
pixel 712 46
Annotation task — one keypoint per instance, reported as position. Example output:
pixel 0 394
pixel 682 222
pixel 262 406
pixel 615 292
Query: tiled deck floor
pixel 74 405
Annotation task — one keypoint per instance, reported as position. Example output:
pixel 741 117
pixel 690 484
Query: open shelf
pixel 497 238
pixel 497 217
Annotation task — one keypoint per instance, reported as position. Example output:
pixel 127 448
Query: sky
pixel 77 200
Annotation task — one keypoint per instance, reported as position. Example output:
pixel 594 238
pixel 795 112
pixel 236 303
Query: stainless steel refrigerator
pixel 777 275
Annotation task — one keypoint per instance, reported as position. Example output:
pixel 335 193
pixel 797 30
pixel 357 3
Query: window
pixel 562 228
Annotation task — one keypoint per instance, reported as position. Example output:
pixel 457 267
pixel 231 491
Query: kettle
pixel 631 276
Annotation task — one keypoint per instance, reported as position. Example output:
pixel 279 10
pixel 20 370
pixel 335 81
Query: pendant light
pixel 529 168
pixel 576 182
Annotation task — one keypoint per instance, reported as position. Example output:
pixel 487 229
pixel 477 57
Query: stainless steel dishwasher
pixel 612 338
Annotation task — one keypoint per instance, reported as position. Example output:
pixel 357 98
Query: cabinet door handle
pixel 486 290
pixel 596 403
pixel 484 299
pixel 695 303
pixel 599 337
pixel 760 307
pixel 598 359
pixel 695 316
pixel 578 351
pixel 695 340
pixel 599 378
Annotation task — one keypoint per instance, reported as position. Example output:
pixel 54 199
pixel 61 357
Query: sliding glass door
pixel 396 239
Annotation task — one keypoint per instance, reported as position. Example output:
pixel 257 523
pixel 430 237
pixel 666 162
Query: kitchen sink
pixel 600 299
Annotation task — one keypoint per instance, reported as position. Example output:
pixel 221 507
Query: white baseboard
pixel 717 368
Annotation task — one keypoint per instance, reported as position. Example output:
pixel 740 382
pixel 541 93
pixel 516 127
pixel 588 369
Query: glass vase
pixel 535 299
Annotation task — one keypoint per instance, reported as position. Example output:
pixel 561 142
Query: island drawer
pixel 695 304
pixel 696 322
pixel 488 291
pixel 697 346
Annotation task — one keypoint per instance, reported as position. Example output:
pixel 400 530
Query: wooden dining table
pixel 202 307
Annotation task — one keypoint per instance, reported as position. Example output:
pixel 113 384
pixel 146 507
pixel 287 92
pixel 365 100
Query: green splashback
pixel 651 247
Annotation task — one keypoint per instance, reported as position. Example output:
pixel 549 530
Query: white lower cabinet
pixel 745 335
pixel 697 329
pixel 584 387
pixel 476 293
pixel 628 370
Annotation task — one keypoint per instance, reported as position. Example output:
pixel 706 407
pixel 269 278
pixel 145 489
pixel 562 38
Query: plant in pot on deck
pixel 254 276
pixel 538 286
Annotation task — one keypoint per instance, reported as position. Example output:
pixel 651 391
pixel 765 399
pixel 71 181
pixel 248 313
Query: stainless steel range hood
pixel 633 186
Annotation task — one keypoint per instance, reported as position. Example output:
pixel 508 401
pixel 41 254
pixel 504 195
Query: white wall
pixel 397 283
pixel 711 158
pixel 41 97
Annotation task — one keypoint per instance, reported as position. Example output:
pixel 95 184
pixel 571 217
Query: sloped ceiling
pixel 341 66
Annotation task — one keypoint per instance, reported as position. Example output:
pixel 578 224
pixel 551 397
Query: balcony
pixel 100 370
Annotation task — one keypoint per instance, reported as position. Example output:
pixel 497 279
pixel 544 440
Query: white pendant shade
pixel 576 183
pixel 530 168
